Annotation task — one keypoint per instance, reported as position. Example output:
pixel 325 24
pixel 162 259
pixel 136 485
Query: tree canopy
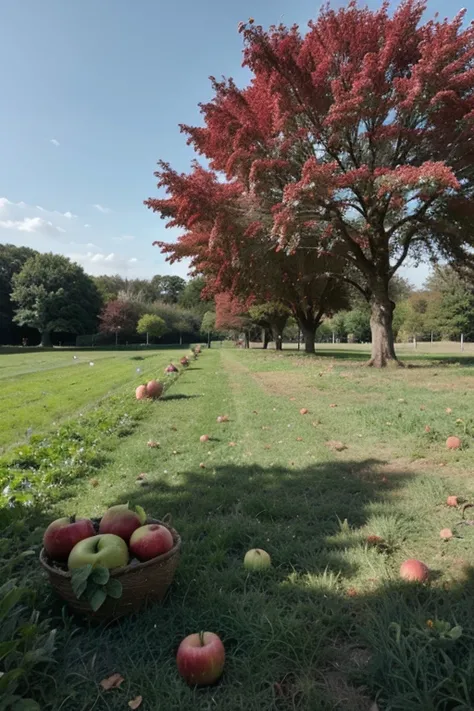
pixel 354 140
pixel 152 325
pixel 52 294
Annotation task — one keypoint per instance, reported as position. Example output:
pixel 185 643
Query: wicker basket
pixel 141 582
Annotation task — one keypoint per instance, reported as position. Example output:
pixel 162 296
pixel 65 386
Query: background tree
pixel 51 294
pixel 168 288
pixel 364 125
pixel 152 325
pixel 271 315
pixel 120 318
pixel 109 286
pixel 208 325
pixel 191 297
pixel 12 259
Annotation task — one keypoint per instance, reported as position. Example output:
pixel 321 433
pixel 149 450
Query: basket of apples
pixel 105 568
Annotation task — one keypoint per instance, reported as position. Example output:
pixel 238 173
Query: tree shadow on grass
pixel 177 396
pixel 305 634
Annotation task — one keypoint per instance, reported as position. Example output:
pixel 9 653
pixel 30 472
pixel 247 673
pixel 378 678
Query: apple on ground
pixel 122 521
pixel 107 550
pixel 257 559
pixel 201 659
pixel 149 541
pixel 414 571
pixel 62 535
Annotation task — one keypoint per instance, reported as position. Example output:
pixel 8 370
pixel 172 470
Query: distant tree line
pixel 46 299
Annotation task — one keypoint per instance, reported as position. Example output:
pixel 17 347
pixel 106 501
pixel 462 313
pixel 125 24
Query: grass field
pixel 330 626
pixel 38 389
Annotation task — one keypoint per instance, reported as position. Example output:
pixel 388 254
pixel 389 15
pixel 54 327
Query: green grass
pixel 38 389
pixel 330 626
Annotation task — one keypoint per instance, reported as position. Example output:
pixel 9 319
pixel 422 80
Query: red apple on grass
pixel 149 541
pixel 201 658
pixel 414 570
pixel 140 392
pixel 453 442
pixel 204 438
pixel 122 521
pixel 107 550
pixel 62 535
pixel 257 559
pixel 154 389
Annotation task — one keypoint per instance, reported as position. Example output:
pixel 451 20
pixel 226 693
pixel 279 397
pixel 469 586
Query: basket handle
pixel 168 519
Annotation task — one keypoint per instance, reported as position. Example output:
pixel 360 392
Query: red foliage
pixel 118 316
pixel 353 142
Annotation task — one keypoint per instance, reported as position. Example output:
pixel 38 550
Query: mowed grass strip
pixel 49 387
pixel 330 625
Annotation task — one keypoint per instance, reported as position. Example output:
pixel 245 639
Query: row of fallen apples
pixel 123 533
pixel 154 389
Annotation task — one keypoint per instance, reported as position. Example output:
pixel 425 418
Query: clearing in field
pixel 339 497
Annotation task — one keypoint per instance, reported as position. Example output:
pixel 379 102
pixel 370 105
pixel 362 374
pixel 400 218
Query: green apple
pixel 257 559
pixel 106 549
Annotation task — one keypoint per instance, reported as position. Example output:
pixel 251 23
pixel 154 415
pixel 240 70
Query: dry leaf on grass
pixel 336 445
pixel 299 439
pixel 136 702
pixel 112 682
pixel 151 443
pixel 94 482
pixel 232 444
pixel 333 404
pixel 141 476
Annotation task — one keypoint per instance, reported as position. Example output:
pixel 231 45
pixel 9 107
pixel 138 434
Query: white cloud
pixel 127 238
pixel 101 208
pixel 87 226
pixel 32 224
pixel 55 142
pixel 20 217
pixel 103 263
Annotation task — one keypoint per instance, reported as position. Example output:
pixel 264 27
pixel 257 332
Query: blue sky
pixel 93 91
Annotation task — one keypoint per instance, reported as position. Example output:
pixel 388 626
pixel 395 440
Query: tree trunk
pixel 309 335
pixel 147 340
pixel 278 338
pixel 265 338
pixel 381 316
pixel 247 339
pixel 46 339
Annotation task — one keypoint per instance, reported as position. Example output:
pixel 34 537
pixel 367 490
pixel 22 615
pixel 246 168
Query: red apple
pixel 453 442
pixel 452 501
pixel 201 658
pixel 140 392
pixel 204 438
pixel 154 389
pixel 122 521
pixel 414 570
pixel 304 411
pixel 149 541
pixel 62 535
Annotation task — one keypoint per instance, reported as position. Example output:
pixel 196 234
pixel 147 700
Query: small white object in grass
pixel 75 357
pixel 139 370
pixel 91 363
pixel 165 471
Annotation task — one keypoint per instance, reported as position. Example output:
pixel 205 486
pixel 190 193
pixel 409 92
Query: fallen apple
pixel 121 521
pixel 204 438
pixel 200 659
pixel 154 389
pixel 257 559
pixel 151 540
pixel 107 550
pixel 140 392
pixel 445 534
pixel 414 570
pixel 452 501
pixel 304 411
pixel 62 535
pixel 453 442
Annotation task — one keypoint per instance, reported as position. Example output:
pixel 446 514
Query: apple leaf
pixel 135 703
pixel 141 513
pixel 96 597
pixel 79 579
pixel 114 588
pixel 100 575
